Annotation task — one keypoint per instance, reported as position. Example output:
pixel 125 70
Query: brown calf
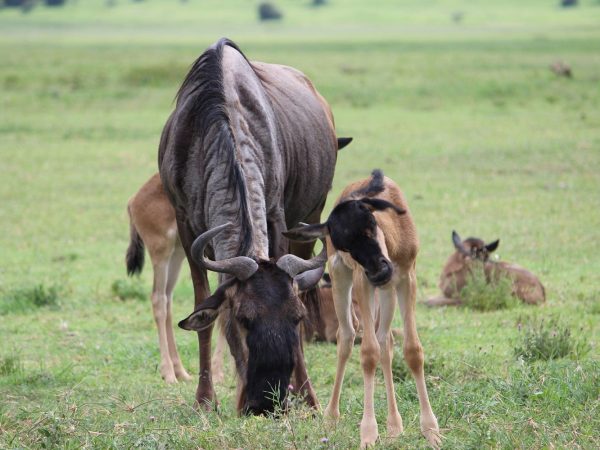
pixel 372 245
pixel 455 274
pixel 152 224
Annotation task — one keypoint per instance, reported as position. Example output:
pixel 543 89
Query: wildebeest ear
pixel 377 204
pixel 343 141
pixel 207 312
pixel 492 245
pixel 307 233
pixel 458 245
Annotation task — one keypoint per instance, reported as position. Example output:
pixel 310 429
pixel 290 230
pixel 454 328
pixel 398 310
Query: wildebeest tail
pixel 134 258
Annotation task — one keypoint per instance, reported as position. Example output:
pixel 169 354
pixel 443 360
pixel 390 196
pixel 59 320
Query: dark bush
pixel 268 11
pixel 14 3
pixel 54 2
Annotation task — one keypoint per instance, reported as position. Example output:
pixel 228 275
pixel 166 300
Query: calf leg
pixel 369 358
pixel 413 354
pixel 159 307
pixel 219 356
pixel 387 304
pixel 174 267
pixel 341 283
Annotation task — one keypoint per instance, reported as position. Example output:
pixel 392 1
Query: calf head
pixel 474 248
pixel 352 228
pixel 262 310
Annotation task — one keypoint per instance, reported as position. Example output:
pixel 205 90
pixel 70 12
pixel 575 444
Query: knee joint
pixel 413 354
pixel 369 357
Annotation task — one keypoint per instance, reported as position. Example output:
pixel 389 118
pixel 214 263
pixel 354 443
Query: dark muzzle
pixel 382 274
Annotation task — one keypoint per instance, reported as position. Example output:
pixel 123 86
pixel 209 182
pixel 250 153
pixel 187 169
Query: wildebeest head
pixel 352 228
pixel 262 307
pixel 474 248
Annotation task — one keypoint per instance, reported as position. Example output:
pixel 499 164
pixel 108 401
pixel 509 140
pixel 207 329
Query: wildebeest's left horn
pixel 293 265
pixel 240 267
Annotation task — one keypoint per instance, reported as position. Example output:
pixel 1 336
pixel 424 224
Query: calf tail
pixel 134 258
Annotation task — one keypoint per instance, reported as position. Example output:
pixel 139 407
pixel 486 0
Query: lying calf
pixel 525 285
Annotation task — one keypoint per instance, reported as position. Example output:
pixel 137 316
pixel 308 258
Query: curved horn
pixel 457 241
pixel 293 265
pixel 240 267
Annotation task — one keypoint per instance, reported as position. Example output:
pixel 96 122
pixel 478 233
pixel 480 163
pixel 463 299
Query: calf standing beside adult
pixel 372 244
pixel 248 152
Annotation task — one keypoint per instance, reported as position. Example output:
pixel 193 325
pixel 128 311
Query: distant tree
pixel 568 3
pixel 268 11
pixel 54 2
pixel 13 3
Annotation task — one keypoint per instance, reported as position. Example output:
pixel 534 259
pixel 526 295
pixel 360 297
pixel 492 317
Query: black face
pixel 477 249
pixel 353 229
pixel 269 311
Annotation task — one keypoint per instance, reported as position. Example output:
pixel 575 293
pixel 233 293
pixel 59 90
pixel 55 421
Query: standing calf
pixel 525 285
pixel 372 244
pixel 152 224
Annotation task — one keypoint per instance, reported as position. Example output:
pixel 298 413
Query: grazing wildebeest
pixel 458 268
pixel 152 224
pixel 372 244
pixel 249 150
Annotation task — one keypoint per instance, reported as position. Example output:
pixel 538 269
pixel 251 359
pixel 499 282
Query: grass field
pixel 466 116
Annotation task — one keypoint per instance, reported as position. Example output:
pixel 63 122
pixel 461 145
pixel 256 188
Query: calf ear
pixel 307 233
pixel 207 312
pixel 458 245
pixel 492 245
pixel 377 204
pixel 343 141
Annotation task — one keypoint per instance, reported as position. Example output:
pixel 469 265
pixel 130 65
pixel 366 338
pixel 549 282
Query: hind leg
pixel 159 308
pixel 174 267
pixel 413 354
pixel 387 304
pixel 219 355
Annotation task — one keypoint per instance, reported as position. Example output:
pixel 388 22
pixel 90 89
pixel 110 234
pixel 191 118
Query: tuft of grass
pixel 546 340
pixel 29 298
pixel 126 289
pixel 482 294
pixel 10 364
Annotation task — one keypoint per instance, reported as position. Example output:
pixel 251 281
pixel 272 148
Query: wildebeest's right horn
pixel 458 243
pixel 240 267
pixel 294 265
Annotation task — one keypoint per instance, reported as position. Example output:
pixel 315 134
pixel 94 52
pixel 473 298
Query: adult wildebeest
pixel 249 151
pixel 152 225
pixel 458 268
pixel 372 244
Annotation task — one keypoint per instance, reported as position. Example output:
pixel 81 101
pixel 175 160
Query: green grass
pixel 481 295
pixel 466 117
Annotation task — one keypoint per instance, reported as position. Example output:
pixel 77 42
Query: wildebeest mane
pixel 376 186
pixel 201 98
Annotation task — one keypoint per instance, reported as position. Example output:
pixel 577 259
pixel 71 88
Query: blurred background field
pixel 455 100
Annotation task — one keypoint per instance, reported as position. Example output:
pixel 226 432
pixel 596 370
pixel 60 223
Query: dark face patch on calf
pixel 353 229
pixel 473 247
pixel 268 310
